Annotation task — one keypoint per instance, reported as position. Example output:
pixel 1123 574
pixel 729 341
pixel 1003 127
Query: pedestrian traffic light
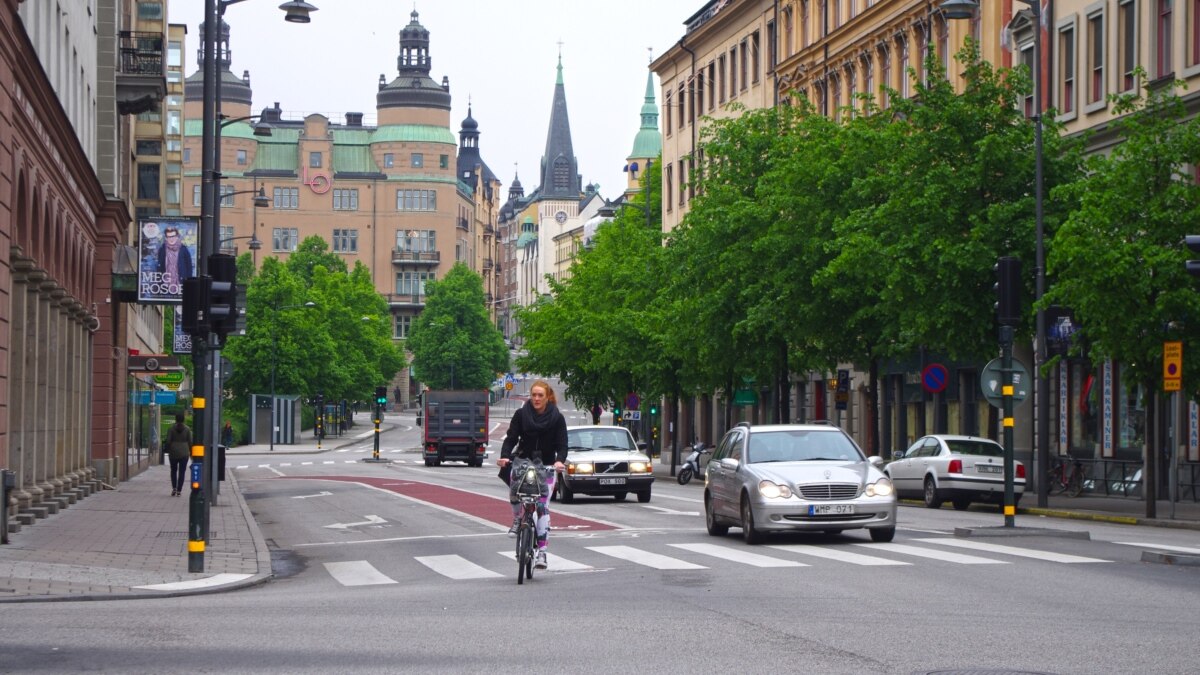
pixel 222 298
pixel 1008 291
pixel 1193 244
pixel 380 395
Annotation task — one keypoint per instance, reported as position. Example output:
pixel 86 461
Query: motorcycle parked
pixel 691 463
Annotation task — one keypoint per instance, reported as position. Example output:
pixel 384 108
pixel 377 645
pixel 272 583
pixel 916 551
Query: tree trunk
pixel 1149 467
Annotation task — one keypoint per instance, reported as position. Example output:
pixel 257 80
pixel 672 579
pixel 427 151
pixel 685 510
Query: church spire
pixel 560 169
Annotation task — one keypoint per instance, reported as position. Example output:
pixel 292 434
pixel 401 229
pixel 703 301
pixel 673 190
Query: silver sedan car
pixel 779 477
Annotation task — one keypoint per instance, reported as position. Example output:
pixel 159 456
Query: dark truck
pixel 456 426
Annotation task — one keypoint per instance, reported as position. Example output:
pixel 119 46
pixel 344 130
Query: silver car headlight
pixel 880 488
pixel 773 490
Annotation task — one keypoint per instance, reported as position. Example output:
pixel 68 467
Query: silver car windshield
pixel 595 439
pixel 801 446
pixel 983 448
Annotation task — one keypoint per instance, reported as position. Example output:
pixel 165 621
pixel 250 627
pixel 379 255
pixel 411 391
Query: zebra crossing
pixel 701 556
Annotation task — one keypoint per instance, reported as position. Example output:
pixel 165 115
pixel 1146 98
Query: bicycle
pixel 530 484
pixel 1062 479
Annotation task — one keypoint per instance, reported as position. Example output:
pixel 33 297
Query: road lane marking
pixel 736 555
pixel 669 512
pixel 946 556
pixel 1161 547
pixel 557 563
pixel 837 554
pixel 1012 550
pixel 646 558
pixel 370 520
pixel 357 573
pixel 456 567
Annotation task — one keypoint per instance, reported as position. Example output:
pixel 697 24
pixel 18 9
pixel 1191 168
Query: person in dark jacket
pixel 179 448
pixel 537 432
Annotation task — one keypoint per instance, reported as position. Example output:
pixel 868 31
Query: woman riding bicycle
pixel 538 432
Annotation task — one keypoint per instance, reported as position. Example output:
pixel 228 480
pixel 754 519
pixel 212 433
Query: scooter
pixel 691 464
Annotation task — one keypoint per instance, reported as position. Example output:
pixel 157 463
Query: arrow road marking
pixel 370 520
pixel 319 494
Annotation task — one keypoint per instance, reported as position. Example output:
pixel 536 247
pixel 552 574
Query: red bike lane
pixel 474 504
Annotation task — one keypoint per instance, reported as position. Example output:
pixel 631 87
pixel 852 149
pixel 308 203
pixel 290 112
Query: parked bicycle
pixel 1066 476
pixel 530 480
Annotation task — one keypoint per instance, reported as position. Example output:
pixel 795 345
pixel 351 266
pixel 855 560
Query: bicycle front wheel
pixel 524 552
pixel 1075 485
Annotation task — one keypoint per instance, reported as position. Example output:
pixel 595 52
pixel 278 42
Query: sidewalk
pixel 131 542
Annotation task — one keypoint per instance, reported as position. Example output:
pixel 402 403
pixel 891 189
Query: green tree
pixel 453 341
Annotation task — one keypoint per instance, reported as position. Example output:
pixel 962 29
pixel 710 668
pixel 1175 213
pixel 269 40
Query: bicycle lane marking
pixel 476 506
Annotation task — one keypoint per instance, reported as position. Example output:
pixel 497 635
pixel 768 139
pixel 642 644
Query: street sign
pixel 934 378
pixel 991 382
pixel 633 401
pixel 508 386
pixel 1172 366
pixel 633 415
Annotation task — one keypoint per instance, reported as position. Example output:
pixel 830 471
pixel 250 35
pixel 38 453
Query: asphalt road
pixel 400 567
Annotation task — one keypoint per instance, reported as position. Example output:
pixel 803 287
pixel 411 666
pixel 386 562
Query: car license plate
pixel 989 468
pixel 827 509
pixel 612 481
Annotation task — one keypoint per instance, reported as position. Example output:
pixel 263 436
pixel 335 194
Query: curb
pixel 1084 515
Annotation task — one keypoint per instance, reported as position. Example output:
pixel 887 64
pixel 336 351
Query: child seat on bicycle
pixel 527 479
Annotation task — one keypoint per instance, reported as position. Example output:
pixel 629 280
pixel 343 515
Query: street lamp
pixel 966 9
pixel 274 347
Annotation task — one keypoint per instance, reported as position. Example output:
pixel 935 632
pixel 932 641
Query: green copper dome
pixel 648 142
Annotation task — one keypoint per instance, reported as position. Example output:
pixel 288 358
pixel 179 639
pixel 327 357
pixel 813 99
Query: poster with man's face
pixel 167 251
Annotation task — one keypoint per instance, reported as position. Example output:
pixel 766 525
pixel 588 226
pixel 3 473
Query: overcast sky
pixel 501 54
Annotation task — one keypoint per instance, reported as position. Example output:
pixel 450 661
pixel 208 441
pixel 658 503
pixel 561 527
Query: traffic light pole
pixel 380 402
pixel 1006 370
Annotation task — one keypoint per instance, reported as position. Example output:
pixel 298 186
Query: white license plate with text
pixel 831 509
pixel 989 468
pixel 612 481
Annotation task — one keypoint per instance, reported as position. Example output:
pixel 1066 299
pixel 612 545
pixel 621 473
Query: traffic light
pixel 195 320
pixel 222 298
pixel 1008 291
pixel 1193 244
pixel 380 395
pixel 653 409
pixel 616 413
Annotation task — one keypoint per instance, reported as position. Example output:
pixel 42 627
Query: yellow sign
pixel 508 386
pixel 1172 366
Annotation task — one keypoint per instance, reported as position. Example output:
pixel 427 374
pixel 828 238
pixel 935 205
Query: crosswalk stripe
pixel 1160 547
pixel 836 554
pixel 1012 550
pixel 557 563
pixel 456 567
pixel 946 556
pixel 646 558
pixel 357 573
pixel 745 557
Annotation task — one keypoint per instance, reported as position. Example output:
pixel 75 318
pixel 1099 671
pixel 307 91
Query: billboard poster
pixel 183 341
pixel 167 254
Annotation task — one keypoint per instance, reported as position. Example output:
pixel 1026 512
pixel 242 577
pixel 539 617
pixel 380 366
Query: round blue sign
pixel 934 377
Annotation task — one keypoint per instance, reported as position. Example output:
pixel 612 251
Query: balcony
pixel 488 230
pixel 402 257
pixel 487 264
pixel 141 80
pixel 405 300
pixel 464 224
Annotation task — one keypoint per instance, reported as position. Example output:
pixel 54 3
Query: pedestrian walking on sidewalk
pixel 179 447
pixel 227 435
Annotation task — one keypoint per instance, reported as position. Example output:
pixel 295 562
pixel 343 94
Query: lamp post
pixel 205 360
pixel 966 9
pixel 274 348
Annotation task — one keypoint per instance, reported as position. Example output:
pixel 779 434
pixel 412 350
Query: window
pixel 1193 49
pixel 681 111
pixel 174 125
pixel 721 79
pixel 345 199
pixel 905 80
pixel 1066 46
pixel 416 241
pixel 286 198
pixel 682 182
pixel 227 235
pixel 835 96
pixel 444 161
pixel 172 195
pixel 187 155
pixel 175 54
pixel 150 148
pixel 712 89
pixel 885 74
pixel 412 283
pixel 754 55
pixel 868 75
pixel 345 241
pixel 418 160
pixel 403 325
pixel 1128 43
pixel 314 160
pixel 226 196
pixel 1162 39
pixel 691 105
pixel 150 10
pixel 389 160
pixel 147 183
pixel 772 46
pixel 241 158
pixel 174 145
pixel 698 99
pixel 416 200
pixel 669 184
pixel 742 61
pixel 1095 58
pixel 150 116
pixel 733 70
pixel 943 45
pixel 1026 59
pixel 667 111
pixel 284 239
pixel 195 195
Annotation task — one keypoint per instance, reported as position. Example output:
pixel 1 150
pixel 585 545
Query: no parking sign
pixel 934 378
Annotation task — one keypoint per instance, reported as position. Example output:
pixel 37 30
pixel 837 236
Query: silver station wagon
pixel 604 460
pixel 779 477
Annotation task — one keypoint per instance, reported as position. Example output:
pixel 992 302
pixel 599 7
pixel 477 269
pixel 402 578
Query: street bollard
pixel 8 482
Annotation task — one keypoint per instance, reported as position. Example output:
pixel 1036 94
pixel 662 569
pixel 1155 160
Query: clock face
pixel 561 216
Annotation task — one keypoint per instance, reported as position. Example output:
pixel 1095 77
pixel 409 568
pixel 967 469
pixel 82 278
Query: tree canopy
pixel 453 341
